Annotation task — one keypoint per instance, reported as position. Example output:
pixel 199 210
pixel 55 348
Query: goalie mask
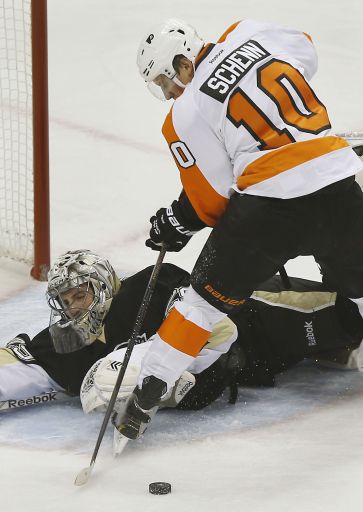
pixel 158 48
pixel 81 286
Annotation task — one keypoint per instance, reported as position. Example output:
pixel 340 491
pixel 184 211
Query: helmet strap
pixel 178 82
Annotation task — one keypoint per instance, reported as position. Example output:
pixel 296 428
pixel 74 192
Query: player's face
pixel 167 88
pixel 170 90
pixel 77 300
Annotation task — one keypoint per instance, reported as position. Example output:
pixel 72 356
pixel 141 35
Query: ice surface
pixel 297 447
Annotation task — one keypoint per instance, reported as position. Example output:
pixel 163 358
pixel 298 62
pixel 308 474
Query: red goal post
pixel 24 134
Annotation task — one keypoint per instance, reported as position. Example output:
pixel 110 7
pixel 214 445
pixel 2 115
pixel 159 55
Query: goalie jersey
pixel 276 328
pixel 249 122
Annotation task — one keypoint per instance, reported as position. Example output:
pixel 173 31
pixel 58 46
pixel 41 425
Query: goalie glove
pixel 140 408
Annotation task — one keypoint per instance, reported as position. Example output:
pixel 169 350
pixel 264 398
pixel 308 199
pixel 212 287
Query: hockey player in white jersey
pixel 259 163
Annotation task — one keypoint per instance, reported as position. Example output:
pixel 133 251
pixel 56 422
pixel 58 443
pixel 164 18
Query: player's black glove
pixel 140 408
pixel 169 226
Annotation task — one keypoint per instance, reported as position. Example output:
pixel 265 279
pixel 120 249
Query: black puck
pixel 159 488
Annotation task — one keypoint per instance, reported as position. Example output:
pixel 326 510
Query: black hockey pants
pixel 257 235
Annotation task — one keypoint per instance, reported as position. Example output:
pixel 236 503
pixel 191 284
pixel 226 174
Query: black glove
pixel 168 226
pixel 140 408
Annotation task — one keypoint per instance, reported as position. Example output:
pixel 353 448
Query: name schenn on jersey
pixel 232 69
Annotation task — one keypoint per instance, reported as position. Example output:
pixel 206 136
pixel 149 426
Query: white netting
pixel 16 132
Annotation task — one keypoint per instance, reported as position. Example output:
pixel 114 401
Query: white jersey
pixel 250 122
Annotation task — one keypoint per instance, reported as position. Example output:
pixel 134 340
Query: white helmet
pixel 96 276
pixel 162 43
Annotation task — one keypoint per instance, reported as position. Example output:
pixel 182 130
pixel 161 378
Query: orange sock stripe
pixel 182 334
pixel 201 53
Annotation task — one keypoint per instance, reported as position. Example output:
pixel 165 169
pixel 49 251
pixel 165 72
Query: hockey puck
pixel 159 488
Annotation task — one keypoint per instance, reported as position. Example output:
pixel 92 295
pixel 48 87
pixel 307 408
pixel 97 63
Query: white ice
pixel 297 447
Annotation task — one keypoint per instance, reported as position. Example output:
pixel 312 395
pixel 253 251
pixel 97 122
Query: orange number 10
pixel 278 79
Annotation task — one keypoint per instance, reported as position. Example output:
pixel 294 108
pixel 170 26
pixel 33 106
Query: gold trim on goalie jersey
pixel 7 357
pixel 304 302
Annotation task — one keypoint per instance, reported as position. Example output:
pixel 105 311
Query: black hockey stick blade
pixel 83 476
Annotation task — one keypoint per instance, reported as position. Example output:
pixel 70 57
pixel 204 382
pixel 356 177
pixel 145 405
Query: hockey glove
pixel 168 226
pixel 140 408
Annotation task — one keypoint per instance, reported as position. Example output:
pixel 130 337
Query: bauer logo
pixel 232 69
pixel 223 298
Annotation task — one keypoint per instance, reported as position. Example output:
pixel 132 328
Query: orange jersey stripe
pixel 228 31
pixel 220 40
pixel 182 334
pixel 308 36
pixel 202 53
pixel 286 158
pixel 208 204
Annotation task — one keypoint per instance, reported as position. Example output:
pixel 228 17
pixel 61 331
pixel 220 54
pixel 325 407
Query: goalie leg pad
pixel 98 384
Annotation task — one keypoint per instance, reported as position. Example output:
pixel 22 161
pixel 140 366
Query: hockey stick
pixel 350 135
pixel 85 473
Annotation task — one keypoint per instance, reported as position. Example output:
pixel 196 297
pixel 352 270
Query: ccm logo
pixel 223 298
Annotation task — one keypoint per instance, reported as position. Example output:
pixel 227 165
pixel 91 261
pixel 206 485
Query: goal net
pixel 24 190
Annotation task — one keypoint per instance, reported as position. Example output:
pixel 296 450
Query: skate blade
pixel 119 442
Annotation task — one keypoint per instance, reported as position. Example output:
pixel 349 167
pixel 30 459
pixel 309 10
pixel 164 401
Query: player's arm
pixel 23 381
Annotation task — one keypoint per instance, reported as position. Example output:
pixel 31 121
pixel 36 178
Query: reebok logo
pixel 37 399
pixel 185 388
pixel 216 57
pixel 310 336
